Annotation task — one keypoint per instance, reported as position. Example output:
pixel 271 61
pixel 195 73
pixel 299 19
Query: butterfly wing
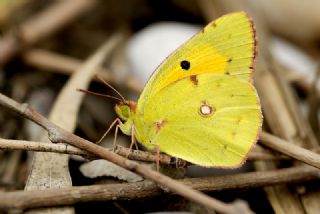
pixel 210 120
pixel 225 46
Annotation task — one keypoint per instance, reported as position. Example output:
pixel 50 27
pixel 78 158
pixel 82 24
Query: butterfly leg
pixel 117 120
pixel 115 138
pixel 133 141
pixel 157 147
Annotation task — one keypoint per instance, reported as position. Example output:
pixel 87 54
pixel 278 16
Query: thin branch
pixel 41 25
pixel 284 147
pixel 67 149
pixel 62 148
pixel 59 135
pixel 6 144
pixel 63 64
pixel 138 190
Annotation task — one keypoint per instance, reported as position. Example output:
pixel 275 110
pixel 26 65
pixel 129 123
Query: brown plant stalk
pixel 7 144
pixel 40 26
pixel 129 191
pixel 275 143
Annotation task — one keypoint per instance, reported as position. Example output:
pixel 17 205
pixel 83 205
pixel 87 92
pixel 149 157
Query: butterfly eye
pixel 185 65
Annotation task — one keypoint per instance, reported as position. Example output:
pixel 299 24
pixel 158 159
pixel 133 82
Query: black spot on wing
pixel 185 65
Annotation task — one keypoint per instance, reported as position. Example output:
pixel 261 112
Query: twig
pixel 41 25
pixel 266 139
pixel 54 62
pixel 62 148
pixel 129 191
pixel 6 144
pixel 57 135
pixel 284 147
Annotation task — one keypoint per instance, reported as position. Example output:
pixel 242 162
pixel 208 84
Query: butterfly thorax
pixel 133 123
pixel 126 110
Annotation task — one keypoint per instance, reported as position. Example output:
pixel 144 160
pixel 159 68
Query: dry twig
pixel 62 148
pixel 55 62
pixel 290 149
pixel 41 25
pixel 129 191
pixel 6 144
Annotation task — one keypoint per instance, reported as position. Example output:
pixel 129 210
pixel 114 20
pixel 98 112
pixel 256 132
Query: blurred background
pixel 43 42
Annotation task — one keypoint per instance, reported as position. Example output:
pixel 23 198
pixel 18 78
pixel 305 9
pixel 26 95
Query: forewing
pixel 226 45
pixel 210 120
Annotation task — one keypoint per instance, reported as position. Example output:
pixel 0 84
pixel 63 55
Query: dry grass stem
pixel 41 25
pixel 6 144
pixel 294 151
pixel 54 62
pixel 129 191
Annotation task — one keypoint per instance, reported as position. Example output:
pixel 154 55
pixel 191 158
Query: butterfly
pixel 200 104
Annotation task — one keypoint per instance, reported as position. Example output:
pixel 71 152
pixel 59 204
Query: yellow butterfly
pixel 200 104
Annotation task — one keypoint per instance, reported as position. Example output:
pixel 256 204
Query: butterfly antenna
pixel 107 84
pixel 99 94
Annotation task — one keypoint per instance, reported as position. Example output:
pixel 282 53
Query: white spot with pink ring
pixel 206 110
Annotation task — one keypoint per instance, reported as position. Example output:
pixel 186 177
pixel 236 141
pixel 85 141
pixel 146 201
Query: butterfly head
pixel 126 109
